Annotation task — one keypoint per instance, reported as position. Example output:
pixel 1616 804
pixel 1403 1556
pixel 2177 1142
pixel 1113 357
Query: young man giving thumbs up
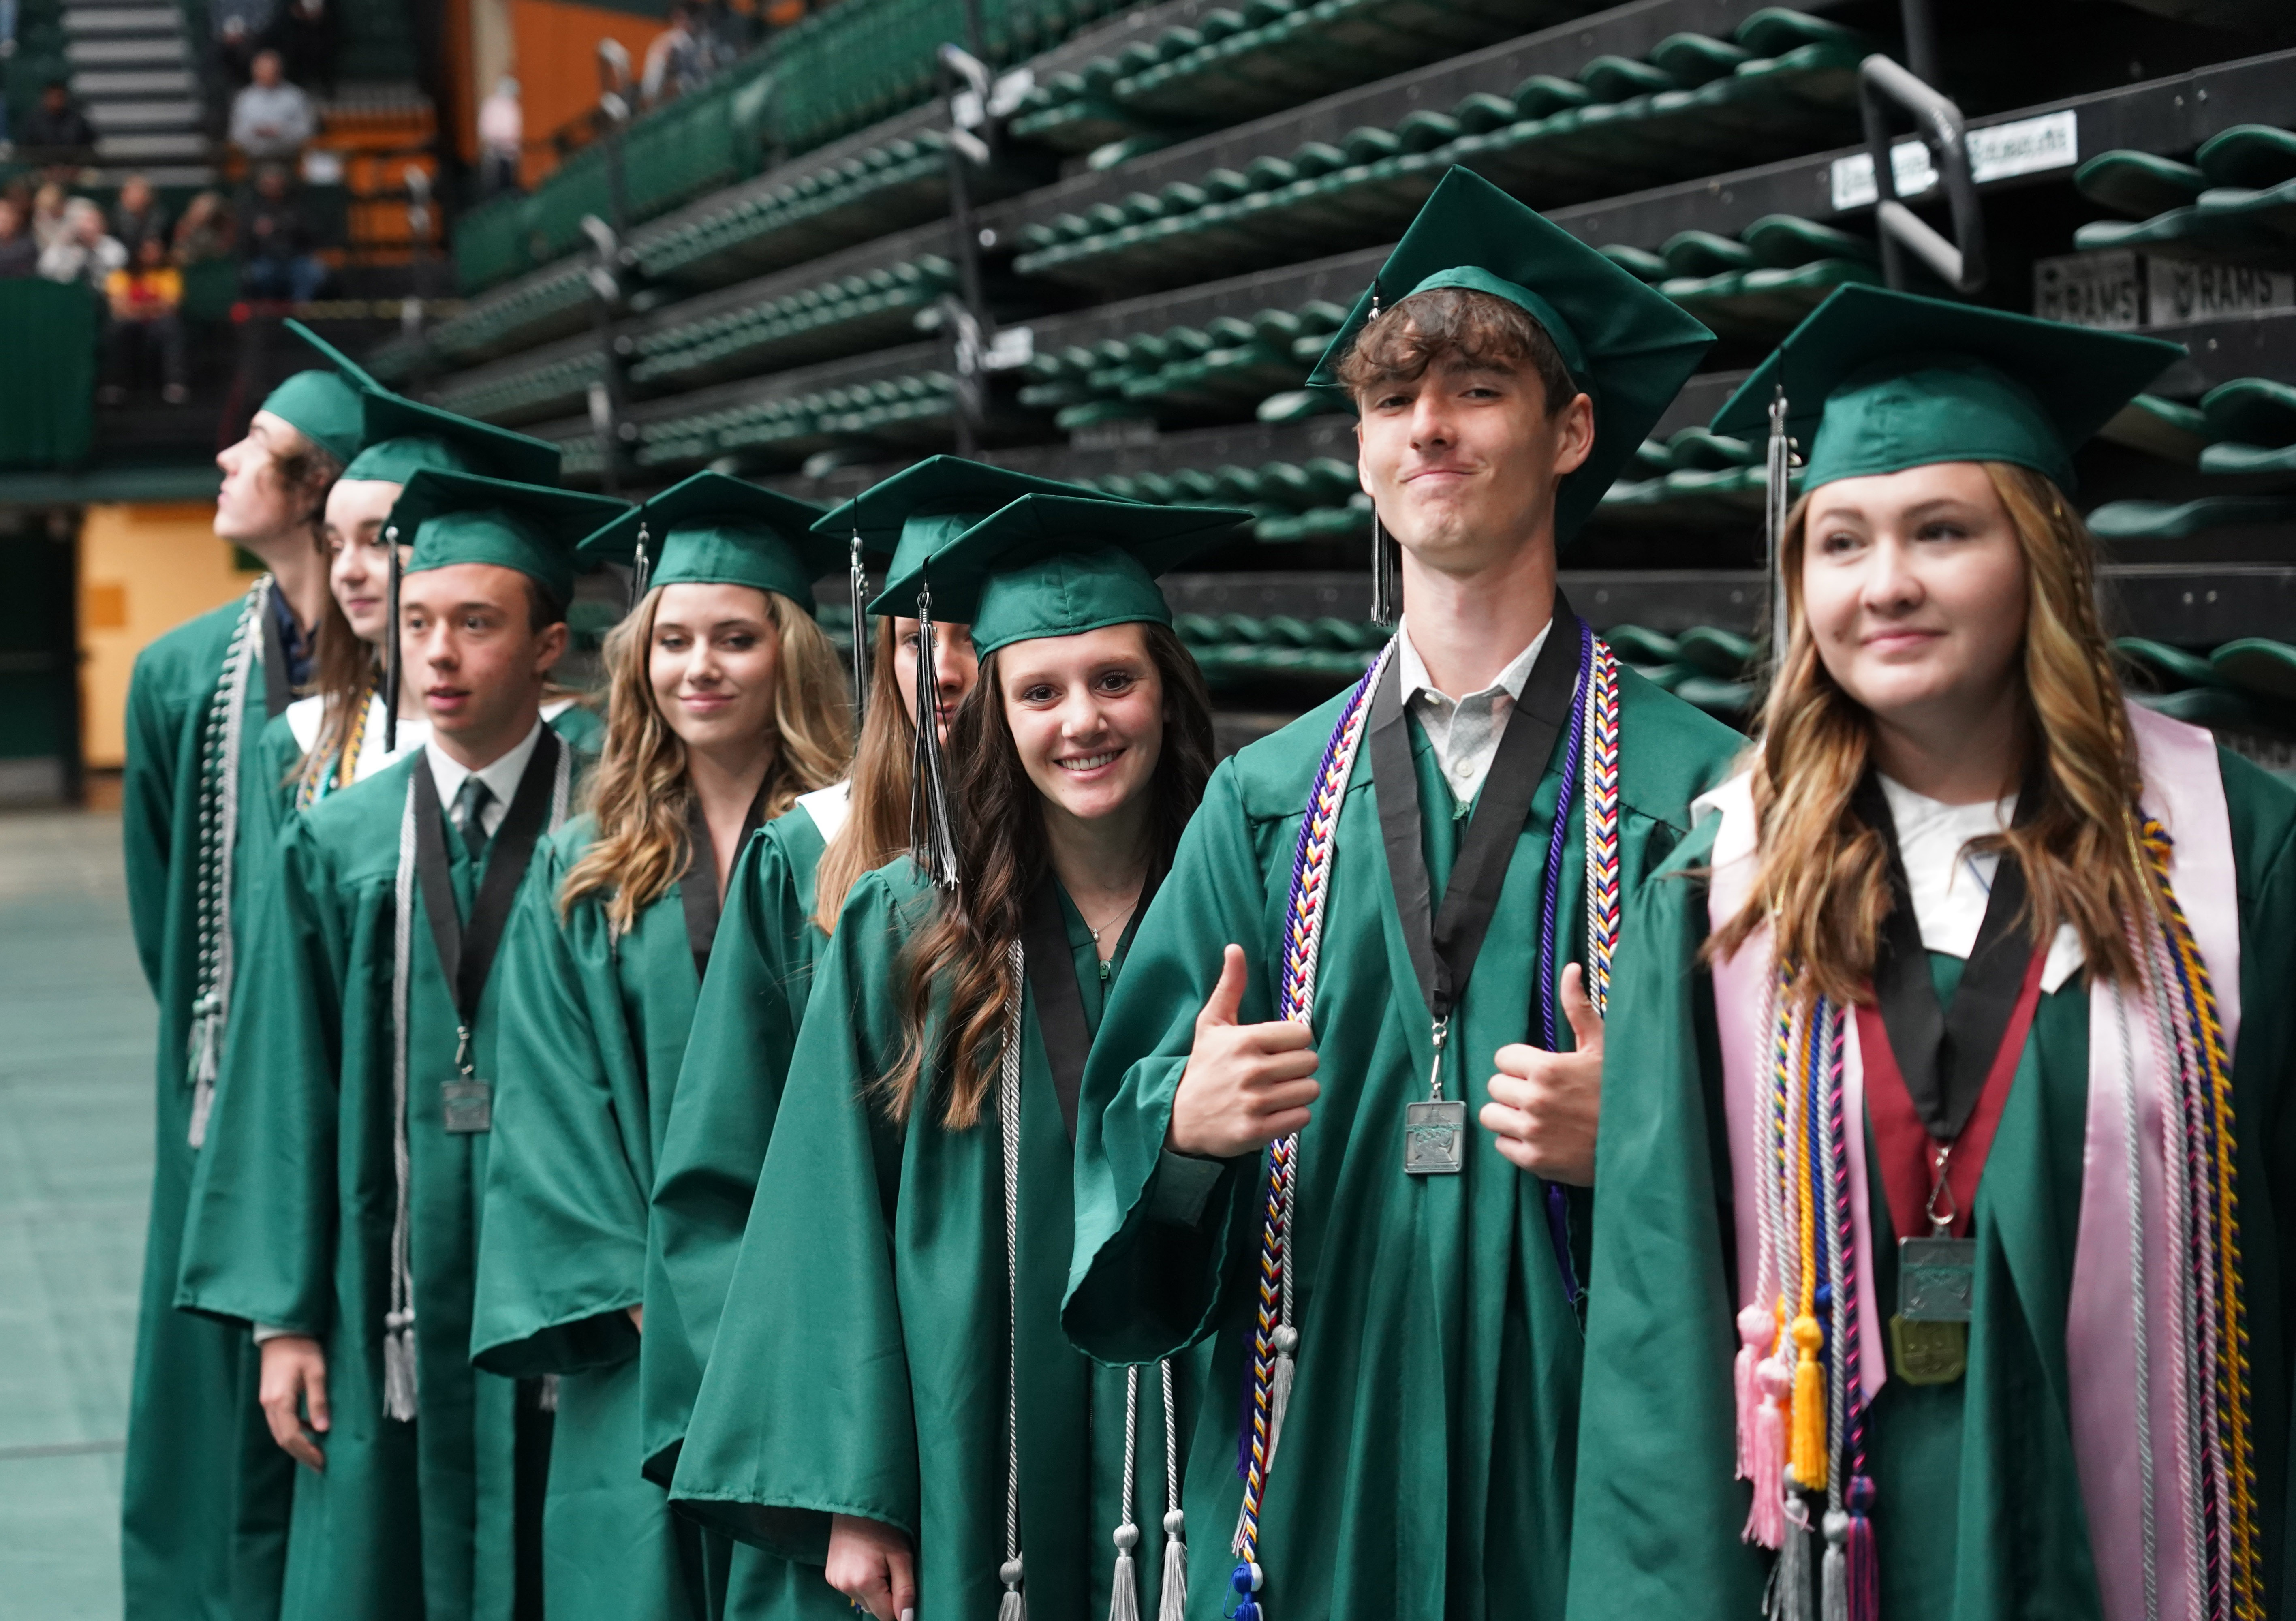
pixel 1340 1112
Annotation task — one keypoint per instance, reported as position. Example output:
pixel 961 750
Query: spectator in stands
pixel 676 62
pixel 271 119
pixel 204 231
pixel 20 255
pixel 502 134
pixel 239 27
pixel 279 239
pixel 85 253
pixel 307 34
pixel 146 298
pixel 56 132
pixel 138 214
pixel 49 225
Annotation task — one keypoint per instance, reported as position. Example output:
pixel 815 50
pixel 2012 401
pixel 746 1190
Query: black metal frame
pixel 1960 263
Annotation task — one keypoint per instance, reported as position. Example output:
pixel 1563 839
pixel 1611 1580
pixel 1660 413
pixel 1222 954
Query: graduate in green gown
pixel 726 703
pixel 204 1496
pixel 780 903
pixel 1946 1143
pixel 1389 1287
pixel 334 735
pixel 337 1208
pixel 888 1396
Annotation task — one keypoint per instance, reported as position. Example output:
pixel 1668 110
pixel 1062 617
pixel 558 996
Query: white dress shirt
pixel 1464 732
pixel 501 777
pixel 1951 883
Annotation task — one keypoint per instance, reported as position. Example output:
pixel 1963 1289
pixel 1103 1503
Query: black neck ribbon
pixel 1444 942
pixel 697 886
pixel 466 953
pixel 1944 1053
pixel 1051 962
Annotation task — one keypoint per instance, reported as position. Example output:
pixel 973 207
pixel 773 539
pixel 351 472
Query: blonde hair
pixel 877 823
pixel 639 793
pixel 1822 884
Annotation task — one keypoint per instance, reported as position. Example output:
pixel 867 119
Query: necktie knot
pixel 469 814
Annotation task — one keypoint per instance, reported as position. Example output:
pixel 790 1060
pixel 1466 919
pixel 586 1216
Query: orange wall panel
pixel 557 69
pixel 144 570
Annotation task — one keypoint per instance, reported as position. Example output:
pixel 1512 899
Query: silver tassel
pixel 390 675
pixel 1172 1603
pixel 1384 593
pixel 1013 1606
pixel 1789 1594
pixel 399 1365
pixel 546 1397
pixel 1777 495
pixel 1833 1578
pixel 1124 1592
pixel 856 579
pixel 207 1030
pixel 641 567
pixel 932 845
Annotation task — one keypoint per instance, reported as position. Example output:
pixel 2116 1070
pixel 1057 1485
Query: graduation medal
pixel 1434 1133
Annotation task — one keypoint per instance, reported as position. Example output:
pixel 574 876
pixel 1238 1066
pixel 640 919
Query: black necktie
pixel 469 814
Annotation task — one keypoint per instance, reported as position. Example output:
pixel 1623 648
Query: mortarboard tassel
pixel 398 1364
pixel 1777 494
pixel 641 567
pixel 856 583
pixel 1384 593
pixel 390 657
pixel 932 844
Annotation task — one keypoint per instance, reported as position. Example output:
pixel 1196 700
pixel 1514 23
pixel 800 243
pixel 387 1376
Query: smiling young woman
pixel 725 705
pixel 1958 1056
pixel 892 1399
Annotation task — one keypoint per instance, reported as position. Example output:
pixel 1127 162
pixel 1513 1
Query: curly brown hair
pixel 1000 850
pixel 1448 323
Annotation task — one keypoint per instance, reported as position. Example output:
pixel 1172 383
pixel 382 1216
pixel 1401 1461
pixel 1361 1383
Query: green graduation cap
pixel 1629 347
pixel 1060 565
pixel 398 437
pixel 1877 382
pixel 324 406
pixel 920 508
pixel 466 517
pixel 715 529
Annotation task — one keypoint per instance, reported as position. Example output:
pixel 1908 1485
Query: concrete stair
pixel 132 71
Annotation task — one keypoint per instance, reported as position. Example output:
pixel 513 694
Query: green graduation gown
pixel 727 1092
pixel 1425 1463
pixel 205 1491
pixel 861 1365
pixel 293 1213
pixel 1977 1509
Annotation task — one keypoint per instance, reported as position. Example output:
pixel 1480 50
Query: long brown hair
pixel 877 820
pixel 639 793
pixel 1000 851
pixel 1823 883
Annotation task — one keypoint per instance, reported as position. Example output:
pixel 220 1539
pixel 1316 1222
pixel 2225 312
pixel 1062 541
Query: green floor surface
pixel 76 1031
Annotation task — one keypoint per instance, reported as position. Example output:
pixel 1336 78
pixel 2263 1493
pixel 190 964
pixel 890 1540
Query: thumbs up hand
pixel 1244 1086
pixel 1546 1106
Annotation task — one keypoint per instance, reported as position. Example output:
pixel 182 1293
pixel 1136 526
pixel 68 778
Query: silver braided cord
pixel 398 1380
pixel 222 738
pixel 1014 1607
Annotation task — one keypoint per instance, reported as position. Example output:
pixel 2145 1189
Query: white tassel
pixel 1789 1599
pixel 1124 1587
pixel 546 1398
pixel 1279 1391
pixel 1172 1601
pixel 1834 1580
pixel 207 1034
pixel 399 1365
pixel 1014 1607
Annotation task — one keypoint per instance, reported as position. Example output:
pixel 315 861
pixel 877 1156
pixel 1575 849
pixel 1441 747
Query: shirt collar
pixel 1413 669
pixel 501 776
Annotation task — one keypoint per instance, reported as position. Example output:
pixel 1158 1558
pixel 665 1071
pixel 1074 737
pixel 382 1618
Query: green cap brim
pixel 918 509
pixel 407 435
pixel 1628 347
pixel 453 518
pixel 322 408
pixel 1878 381
pixel 1060 566
pixel 715 529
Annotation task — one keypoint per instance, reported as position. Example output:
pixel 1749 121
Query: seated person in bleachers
pixel 307 34
pixel 502 135
pixel 239 25
pixel 145 298
pixel 204 231
pixel 85 253
pixel 272 120
pixel 675 62
pixel 55 131
pixel 20 255
pixel 49 225
pixel 137 214
pixel 278 242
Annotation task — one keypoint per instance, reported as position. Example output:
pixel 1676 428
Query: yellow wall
pixel 144 570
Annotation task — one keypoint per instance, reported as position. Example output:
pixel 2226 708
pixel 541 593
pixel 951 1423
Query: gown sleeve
pixel 1655 1529
pixel 147 806
pixel 721 1116
pixel 258 1240
pixel 1147 1275
pixel 805 1409
pixel 561 1248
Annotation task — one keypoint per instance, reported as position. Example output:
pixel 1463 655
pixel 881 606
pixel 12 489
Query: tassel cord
pixel 222 742
pixel 1014 1605
pixel 400 1389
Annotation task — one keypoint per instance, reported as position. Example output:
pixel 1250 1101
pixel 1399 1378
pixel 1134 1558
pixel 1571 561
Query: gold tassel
pixel 1809 1408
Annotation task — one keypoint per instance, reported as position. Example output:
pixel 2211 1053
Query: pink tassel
pixel 1766 1523
pixel 1758 1329
pixel 1864 1561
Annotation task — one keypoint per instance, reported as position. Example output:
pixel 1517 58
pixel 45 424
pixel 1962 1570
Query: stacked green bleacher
pixel 853 313
pixel 2235 203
